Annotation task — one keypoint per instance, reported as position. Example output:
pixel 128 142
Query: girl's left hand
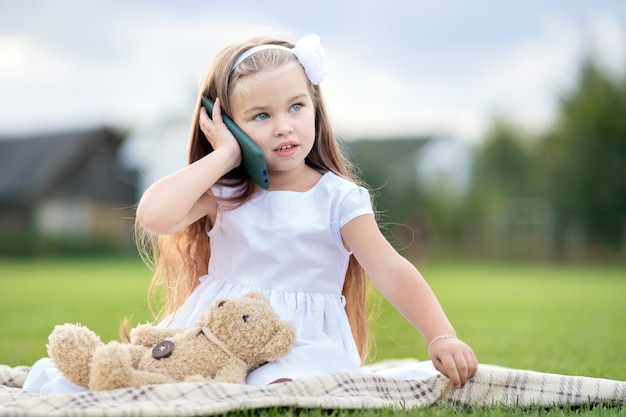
pixel 454 359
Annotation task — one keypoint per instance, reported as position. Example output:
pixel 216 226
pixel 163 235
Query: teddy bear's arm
pixel 114 366
pixel 196 378
pixel 233 371
pixel 149 335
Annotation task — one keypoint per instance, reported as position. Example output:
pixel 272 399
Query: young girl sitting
pixel 307 242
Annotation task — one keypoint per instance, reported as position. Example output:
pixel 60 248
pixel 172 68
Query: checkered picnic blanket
pixel 492 385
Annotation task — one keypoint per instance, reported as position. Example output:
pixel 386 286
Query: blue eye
pixel 261 116
pixel 296 107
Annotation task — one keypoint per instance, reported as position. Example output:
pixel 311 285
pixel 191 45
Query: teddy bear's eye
pixel 245 318
pixel 221 303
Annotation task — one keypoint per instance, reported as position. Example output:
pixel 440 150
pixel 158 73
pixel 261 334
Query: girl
pixel 306 243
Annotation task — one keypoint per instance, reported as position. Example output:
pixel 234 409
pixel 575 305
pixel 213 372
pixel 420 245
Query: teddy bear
pixel 235 336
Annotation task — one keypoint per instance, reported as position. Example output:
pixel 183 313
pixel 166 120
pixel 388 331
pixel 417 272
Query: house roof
pixel 32 165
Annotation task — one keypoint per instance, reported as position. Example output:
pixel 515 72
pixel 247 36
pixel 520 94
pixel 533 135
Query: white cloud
pixel 608 40
pixel 439 73
pixel 521 79
pixel 143 70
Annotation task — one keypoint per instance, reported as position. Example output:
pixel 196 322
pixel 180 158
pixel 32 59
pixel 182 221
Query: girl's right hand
pixel 217 133
pixel 181 198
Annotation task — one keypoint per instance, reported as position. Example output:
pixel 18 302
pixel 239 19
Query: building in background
pixel 65 192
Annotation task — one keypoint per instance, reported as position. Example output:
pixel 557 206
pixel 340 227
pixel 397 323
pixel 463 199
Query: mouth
pixel 286 147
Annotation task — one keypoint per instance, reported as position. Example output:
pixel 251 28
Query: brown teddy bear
pixel 236 336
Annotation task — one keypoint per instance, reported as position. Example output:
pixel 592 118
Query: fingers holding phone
pixel 216 132
pixel 251 155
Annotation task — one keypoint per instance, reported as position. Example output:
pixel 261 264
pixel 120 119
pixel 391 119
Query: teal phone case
pixel 252 158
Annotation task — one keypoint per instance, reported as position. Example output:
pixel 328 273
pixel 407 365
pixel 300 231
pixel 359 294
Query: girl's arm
pixel 402 284
pixel 183 197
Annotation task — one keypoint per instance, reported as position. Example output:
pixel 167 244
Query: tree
pixel 584 156
pixel 503 166
pixel 505 213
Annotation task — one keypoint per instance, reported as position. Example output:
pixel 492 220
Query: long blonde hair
pixel 180 259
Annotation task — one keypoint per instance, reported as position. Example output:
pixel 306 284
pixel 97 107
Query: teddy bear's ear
pixel 256 295
pixel 281 342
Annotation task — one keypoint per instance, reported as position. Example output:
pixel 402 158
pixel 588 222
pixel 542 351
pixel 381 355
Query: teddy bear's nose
pixel 245 318
pixel 221 303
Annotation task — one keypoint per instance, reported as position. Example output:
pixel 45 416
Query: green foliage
pixel 388 168
pixel 503 166
pixel 585 157
pixel 554 194
pixel 30 243
pixel 558 194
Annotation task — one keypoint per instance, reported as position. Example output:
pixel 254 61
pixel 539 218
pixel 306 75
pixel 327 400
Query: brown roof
pixel 43 164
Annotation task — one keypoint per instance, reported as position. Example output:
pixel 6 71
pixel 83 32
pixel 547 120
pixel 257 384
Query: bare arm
pixel 402 284
pixel 183 197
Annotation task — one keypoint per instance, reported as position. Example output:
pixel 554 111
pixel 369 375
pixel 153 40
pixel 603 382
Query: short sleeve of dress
pixel 356 203
pixel 223 191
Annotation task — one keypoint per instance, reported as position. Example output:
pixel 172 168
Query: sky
pixel 393 67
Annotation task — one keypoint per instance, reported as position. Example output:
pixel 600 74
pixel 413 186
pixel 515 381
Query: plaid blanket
pixel 492 385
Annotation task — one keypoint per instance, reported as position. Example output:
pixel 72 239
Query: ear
pixel 255 295
pixel 281 342
pixel 219 302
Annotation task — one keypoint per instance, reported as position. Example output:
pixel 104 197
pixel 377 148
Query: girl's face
pixel 276 110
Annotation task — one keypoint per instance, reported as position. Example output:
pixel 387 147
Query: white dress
pixel 288 246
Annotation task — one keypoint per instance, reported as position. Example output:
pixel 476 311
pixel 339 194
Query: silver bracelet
pixel 443 336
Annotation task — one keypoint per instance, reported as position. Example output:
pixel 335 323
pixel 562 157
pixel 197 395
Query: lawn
pixel 551 318
pixel 566 319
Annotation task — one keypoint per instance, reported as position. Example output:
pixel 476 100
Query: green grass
pixel 566 319
pixel 551 318
pixel 38 294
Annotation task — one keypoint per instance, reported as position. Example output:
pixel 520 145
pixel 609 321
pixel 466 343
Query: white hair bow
pixel 309 52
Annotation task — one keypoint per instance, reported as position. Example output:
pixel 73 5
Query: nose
pixel 282 126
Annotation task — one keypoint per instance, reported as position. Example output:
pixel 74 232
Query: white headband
pixel 308 50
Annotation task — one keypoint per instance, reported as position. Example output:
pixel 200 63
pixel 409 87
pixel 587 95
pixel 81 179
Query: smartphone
pixel 252 158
